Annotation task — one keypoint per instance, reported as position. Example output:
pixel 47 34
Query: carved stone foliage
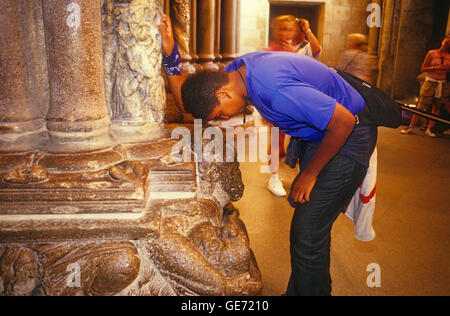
pixel 132 53
pixel 68 268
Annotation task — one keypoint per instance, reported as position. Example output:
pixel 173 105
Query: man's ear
pixel 222 94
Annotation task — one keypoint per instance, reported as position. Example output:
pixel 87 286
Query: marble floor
pixel 412 223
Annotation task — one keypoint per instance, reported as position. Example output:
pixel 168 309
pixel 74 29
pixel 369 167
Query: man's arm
pixel 168 44
pixel 337 132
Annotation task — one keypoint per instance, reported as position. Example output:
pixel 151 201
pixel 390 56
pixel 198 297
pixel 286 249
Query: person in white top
pixel 308 43
pixel 290 35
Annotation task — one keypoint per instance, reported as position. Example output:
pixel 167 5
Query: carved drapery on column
pixel 23 76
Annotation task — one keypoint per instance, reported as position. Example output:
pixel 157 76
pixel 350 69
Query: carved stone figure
pixel 133 81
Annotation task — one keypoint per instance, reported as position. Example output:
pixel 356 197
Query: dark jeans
pixel 312 223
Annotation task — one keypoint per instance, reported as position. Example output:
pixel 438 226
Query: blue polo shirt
pixel 299 94
pixel 296 93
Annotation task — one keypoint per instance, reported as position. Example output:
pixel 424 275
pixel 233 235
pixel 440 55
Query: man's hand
pixel 303 185
pixel 337 132
pixel 167 35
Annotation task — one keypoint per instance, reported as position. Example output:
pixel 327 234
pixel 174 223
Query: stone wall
pixel 254 25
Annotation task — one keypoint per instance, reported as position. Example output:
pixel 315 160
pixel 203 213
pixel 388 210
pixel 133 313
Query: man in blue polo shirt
pixel 308 101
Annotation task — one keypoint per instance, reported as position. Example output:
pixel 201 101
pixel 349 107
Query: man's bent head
pixel 199 92
pixel 214 95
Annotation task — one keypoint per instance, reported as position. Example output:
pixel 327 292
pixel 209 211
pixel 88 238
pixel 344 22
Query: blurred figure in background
pixel 294 35
pixel 355 60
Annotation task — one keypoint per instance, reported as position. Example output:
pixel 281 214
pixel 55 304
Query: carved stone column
pixel 23 77
pixel 133 81
pixel 181 21
pixel 78 117
pixel 206 13
pixel 229 30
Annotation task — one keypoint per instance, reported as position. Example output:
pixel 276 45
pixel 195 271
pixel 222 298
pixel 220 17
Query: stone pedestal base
pixel 125 221
pixel 124 133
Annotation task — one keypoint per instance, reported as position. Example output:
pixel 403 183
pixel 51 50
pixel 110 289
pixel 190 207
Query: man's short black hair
pixel 198 92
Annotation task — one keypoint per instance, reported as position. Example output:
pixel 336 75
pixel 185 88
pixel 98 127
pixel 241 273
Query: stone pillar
pixel 238 27
pixel 23 77
pixel 448 23
pixel 206 12
pixel 389 42
pixel 217 36
pixel 181 21
pixel 78 117
pixel 229 30
pixel 193 42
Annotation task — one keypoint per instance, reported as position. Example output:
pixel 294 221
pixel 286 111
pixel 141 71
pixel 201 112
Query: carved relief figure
pixel 134 85
pixel 202 252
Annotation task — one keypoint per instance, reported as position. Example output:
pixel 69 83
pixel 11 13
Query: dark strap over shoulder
pixel 380 109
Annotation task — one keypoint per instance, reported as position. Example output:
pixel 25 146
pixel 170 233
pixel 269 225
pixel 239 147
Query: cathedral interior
pixel 93 202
